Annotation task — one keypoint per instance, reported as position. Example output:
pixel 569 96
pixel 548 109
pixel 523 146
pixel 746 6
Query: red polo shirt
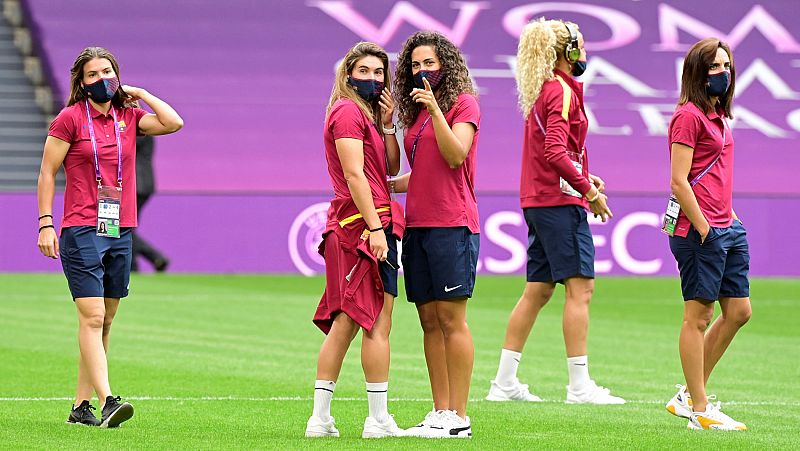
pixel 556 125
pixel 438 195
pixel 80 195
pixel 346 120
pixel 708 135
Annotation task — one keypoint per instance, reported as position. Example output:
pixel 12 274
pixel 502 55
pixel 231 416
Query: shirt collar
pixel 94 111
pixel 575 84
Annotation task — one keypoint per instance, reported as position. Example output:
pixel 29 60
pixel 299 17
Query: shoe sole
pixel 379 435
pixel 75 423
pixel 124 413
pixel 494 398
pixel 311 434
pixel 694 427
pixel 671 409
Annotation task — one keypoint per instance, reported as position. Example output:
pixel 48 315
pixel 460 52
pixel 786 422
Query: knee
pixel 538 297
pixel 429 323
pixel 740 316
pixel 93 320
pixel 700 322
pixel 344 328
pixel 450 325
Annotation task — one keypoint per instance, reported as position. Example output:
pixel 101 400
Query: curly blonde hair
pixel 541 44
pixel 456 75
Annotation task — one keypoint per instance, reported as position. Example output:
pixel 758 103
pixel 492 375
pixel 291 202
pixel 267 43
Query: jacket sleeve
pixel 557 102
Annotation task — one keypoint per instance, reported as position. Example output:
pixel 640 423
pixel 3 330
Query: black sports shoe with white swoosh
pixel 83 415
pixel 115 412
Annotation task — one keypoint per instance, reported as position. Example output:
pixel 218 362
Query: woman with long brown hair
pixel 707 238
pixel 94 138
pixel 360 240
pixel 438 107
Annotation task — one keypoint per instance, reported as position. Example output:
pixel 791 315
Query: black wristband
pixel 376 229
pixel 48 226
pixel 45 216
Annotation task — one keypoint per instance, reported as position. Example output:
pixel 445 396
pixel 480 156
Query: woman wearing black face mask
pixel 706 237
pixel 360 240
pixel 556 189
pixel 94 138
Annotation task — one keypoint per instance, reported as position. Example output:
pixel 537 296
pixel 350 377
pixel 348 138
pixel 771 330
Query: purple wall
pixel 281 233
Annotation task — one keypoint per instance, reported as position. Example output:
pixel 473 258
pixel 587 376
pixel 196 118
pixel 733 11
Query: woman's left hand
pixel 133 92
pixel 598 183
pixel 426 97
pixel 387 108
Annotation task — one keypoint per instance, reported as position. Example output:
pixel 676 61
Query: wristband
pixel 45 216
pixel 595 197
pixel 376 229
pixel 48 226
pixel 390 131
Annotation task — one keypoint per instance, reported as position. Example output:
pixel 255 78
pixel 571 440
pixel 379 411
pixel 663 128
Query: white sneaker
pixel 375 429
pixel 316 427
pixel 713 418
pixel 681 404
pixel 455 426
pixel 592 394
pixel 430 427
pixel 516 392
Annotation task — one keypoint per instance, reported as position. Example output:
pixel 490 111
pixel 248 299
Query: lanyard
pixel 94 146
pixel 416 141
pixel 705 171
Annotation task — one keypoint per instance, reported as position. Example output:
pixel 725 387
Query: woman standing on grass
pixel 556 189
pixel 94 138
pixel 439 109
pixel 706 237
pixel 360 240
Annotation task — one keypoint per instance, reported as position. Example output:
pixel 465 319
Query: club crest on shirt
pixel 122 126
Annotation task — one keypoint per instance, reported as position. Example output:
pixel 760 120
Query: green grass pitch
pixel 228 362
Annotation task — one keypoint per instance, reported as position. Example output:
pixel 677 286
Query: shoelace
pixel 88 407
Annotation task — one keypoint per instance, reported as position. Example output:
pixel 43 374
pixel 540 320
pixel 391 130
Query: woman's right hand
pixel 378 245
pixel 600 207
pixel 48 242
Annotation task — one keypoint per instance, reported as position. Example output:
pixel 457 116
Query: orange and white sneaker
pixel 713 418
pixel 681 404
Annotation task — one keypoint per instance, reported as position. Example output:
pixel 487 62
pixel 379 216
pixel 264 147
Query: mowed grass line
pixel 193 336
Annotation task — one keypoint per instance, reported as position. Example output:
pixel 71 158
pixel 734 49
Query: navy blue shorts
pixel 560 243
pixel 388 269
pixel 96 266
pixel 439 263
pixel 718 268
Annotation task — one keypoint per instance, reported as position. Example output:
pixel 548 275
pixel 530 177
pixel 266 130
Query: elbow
pixel 455 161
pixel 676 184
pixel 175 125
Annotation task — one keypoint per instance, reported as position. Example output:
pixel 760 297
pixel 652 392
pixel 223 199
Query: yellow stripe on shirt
pixel 567 98
pixel 350 219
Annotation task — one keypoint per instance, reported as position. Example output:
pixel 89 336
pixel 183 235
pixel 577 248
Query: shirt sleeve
pixel 63 127
pixel 467 110
pixel 557 102
pixel 347 121
pixel 685 129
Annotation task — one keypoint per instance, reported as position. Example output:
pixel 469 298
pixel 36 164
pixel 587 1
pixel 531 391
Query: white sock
pixel 507 371
pixel 578 372
pixel 376 396
pixel 323 393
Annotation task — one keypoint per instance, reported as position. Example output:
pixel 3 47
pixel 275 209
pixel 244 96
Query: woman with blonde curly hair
pixel 556 188
pixel 360 239
pixel 439 110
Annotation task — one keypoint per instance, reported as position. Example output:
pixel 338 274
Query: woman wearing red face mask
pixel 706 237
pixel 360 240
pixel 94 138
pixel 556 189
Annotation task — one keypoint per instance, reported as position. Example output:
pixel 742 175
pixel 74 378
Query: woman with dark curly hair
pixel 439 110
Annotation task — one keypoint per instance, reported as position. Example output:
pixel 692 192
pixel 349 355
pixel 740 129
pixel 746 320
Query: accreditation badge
pixel 109 200
pixel 566 188
pixel 671 216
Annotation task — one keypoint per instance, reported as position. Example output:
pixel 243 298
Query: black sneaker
pixel 115 412
pixel 83 415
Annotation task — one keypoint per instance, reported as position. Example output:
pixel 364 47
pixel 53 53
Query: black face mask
pixel 718 84
pixel 579 68
pixel 102 90
pixel 369 90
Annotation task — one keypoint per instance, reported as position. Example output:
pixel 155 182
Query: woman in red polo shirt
pixel 360 240
pixel 439 109
pixel 94 138
pixel 706 237
pixel 556 189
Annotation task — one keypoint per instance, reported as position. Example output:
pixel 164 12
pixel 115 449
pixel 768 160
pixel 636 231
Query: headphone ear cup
pixel 573 54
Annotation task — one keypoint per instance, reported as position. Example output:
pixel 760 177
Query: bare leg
pixel 375 345
pixel 735 314
pixel 334 348
pixel 459 351
pixel 91 316
pixel 696 318
pixel 435 357
pixel 523 317
pixel 575 323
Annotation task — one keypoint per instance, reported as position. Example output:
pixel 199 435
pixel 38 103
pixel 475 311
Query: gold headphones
pixel 572 52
